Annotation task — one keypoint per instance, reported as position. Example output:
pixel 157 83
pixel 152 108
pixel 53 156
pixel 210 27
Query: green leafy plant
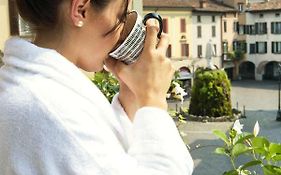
pixel 107 83
pixel 260 150
pixel 176 92
pixel 210 94
pixel 109 86
pixel 236 55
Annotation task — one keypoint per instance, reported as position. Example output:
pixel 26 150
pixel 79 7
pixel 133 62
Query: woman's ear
pixel 78 11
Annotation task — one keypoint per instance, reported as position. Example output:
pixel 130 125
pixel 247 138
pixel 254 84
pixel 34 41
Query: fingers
pixel 163 43
pixel 151 39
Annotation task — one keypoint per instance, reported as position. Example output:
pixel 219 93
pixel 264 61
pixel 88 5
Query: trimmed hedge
pixel 210 95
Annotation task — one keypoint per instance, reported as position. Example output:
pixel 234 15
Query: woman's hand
pixel 150 76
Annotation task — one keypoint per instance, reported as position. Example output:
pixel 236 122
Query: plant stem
pixel 232 162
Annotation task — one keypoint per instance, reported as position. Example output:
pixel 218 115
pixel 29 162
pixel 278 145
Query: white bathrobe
pixel 55 121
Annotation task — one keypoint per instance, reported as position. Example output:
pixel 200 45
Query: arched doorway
pixel 247 70
pixel 271 71
pixel 184 73
pixel 185 77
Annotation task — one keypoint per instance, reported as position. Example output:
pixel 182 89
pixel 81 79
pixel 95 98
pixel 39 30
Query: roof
pixel 194 5
pixel 271 5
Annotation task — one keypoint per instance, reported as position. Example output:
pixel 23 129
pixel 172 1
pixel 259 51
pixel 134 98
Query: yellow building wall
pixel 230 35
pixel 174 32
pixel 4 23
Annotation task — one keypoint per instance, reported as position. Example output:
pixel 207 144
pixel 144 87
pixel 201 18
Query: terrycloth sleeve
pixel 157 144
pixel 154 141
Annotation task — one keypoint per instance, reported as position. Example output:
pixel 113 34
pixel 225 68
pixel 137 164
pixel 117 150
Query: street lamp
pixel 278 117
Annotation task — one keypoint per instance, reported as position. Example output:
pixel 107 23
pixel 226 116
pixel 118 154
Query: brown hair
pixel 43 14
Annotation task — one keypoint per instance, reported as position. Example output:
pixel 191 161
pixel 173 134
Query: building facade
pixel 191 25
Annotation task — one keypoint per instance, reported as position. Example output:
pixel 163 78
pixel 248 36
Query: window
pixel 199 51
pixel 250 29
pixel 277 14
pixel 215 49
pixel 252 48
pixel 199 32
pixel 225 47
pixel 242 45
pixel 261 28
pixel 213 31
pixel 235 26
pixel 225 26
pixel 240 7
pixel 235 45
pixel 183 25
pixel 184 50
pixel 198 18
pixel 165 25
pixel 169 51
pixel 213 18
pixel 241 30
pixel 276 27
pixel 261 47
pixel 276 47
pixel 261 15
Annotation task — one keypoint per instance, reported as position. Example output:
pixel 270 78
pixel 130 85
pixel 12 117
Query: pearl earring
pixel 80 24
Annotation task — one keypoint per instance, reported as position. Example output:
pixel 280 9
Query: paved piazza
pixel 260 99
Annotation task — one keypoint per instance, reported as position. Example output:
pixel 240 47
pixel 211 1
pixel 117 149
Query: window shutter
pixel 169 51
pixel 265 27
pixel 165 25
pixel 183 25
pixel 256 28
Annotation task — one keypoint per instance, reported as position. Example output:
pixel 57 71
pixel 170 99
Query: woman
pixel 54 121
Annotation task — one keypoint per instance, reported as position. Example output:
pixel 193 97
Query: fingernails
pixel 153 22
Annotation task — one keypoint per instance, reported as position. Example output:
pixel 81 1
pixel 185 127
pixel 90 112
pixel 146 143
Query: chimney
pixel 203 3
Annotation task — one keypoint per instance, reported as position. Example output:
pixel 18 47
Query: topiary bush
pixel 210 95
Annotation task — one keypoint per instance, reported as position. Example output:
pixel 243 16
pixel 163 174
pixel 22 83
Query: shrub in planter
pixel 210 95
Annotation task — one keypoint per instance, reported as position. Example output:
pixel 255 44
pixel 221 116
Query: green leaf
pixel 222 136
pixel 275 148
pixel 232 172
pixel 245 172
pixel 276 158
pixel 221 150
pixel 260 145
pixel 251 163
pixel 271 170
pixel 232 133
pixel 239 149
pixel 245 137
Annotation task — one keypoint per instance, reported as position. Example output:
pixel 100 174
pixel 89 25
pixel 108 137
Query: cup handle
pixel 158 18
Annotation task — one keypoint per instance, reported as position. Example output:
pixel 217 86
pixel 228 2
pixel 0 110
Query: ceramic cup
pixel 132 38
